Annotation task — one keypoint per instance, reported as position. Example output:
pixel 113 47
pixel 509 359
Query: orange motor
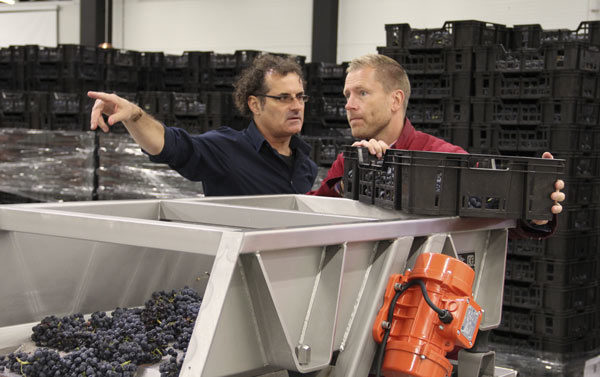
pixel 433 312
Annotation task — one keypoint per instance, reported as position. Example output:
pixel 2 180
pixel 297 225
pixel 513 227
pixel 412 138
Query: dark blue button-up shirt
pixel 230 162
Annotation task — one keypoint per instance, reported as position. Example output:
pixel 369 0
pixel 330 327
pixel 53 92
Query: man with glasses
pixel 265 158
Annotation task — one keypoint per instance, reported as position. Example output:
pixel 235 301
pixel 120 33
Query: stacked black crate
pixel 83 68
pixel 65 112
pixel 121 70
pixel 43 68
pixel 12 68
pixel 189 112
pixel 325 123
pixel 540 95
pixel 13 109
pixel 439 63
pixel 151 71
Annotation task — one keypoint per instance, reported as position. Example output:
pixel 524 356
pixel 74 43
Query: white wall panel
pixel 44 23
pixel 174 26
pixel 361 25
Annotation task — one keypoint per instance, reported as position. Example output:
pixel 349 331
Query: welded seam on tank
pixel 359 296
pixel 313 295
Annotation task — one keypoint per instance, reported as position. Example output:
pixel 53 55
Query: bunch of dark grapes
pixel 112 345
pixel 172 366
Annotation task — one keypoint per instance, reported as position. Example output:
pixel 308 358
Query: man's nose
pixel 350 103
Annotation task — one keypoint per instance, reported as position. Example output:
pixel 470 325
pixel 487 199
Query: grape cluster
pixel 112 345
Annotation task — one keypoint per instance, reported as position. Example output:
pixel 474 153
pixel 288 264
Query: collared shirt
pixel 230 162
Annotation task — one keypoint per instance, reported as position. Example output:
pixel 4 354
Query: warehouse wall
pixel 222 26
pixel 361 23
pixel 40 23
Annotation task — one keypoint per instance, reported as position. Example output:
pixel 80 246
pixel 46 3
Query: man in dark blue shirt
pixel 265 158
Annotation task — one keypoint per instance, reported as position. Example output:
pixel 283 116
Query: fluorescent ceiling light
pixel 11 2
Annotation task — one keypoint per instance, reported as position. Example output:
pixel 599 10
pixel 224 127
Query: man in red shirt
pixel 377 90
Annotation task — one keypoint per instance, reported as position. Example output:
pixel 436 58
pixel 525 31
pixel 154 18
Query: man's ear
pixel 398 100
pixel 254 105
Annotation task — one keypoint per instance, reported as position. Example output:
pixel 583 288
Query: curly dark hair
pixel 252 79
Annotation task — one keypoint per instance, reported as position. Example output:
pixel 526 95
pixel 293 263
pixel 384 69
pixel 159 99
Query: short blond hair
pixel 388 71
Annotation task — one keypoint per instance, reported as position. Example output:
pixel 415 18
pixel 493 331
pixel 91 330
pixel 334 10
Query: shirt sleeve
pixel 195 157
pixel 331 185
pixel 525 230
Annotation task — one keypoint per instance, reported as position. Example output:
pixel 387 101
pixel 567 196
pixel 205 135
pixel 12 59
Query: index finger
pixel 103 96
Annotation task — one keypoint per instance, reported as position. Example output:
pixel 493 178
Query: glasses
pixel 287 98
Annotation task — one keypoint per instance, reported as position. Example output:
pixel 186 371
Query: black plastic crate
pixel 457 133
pixel 329 107
pixel 426 111
pixel 156 103
pixel 564 326
pixel 452 34
pixel 579 165
pixel 478 33
pixel 483 85
pixel 457 111
pixel 570 111
pixel 582 191
pixel 244 58
pixel 188 104
pixel 325 71
pixel 566 273
pixel 328 148
pixel 460 60
pixel 551 299
pixel 527 344
pixel 13 102
pixel 402 35
pixel 192 124
pixel 122 58
pixel 431 86
pixel 497 59
pixel 579 218
pixel 521 86
pixel 578 84
pixel 507 112
pixel 571 56
pixel 552 325
pixel 428 180
pixel 73 53
pixel 508 187
pixel 224 61
pixel 520 270
pixel 350 179
pixel 558 137
pixel 218 102
pixel 534 36
pixel 417 61
pixel 483 139
pixel 64 103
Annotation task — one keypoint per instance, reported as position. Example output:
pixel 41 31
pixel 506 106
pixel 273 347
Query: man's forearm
pixel 147 132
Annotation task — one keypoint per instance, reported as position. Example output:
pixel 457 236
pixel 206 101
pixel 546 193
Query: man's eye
pixel 285 97
pixel 363 93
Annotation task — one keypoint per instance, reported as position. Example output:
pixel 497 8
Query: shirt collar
pixel 406 136
pixel 257 140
